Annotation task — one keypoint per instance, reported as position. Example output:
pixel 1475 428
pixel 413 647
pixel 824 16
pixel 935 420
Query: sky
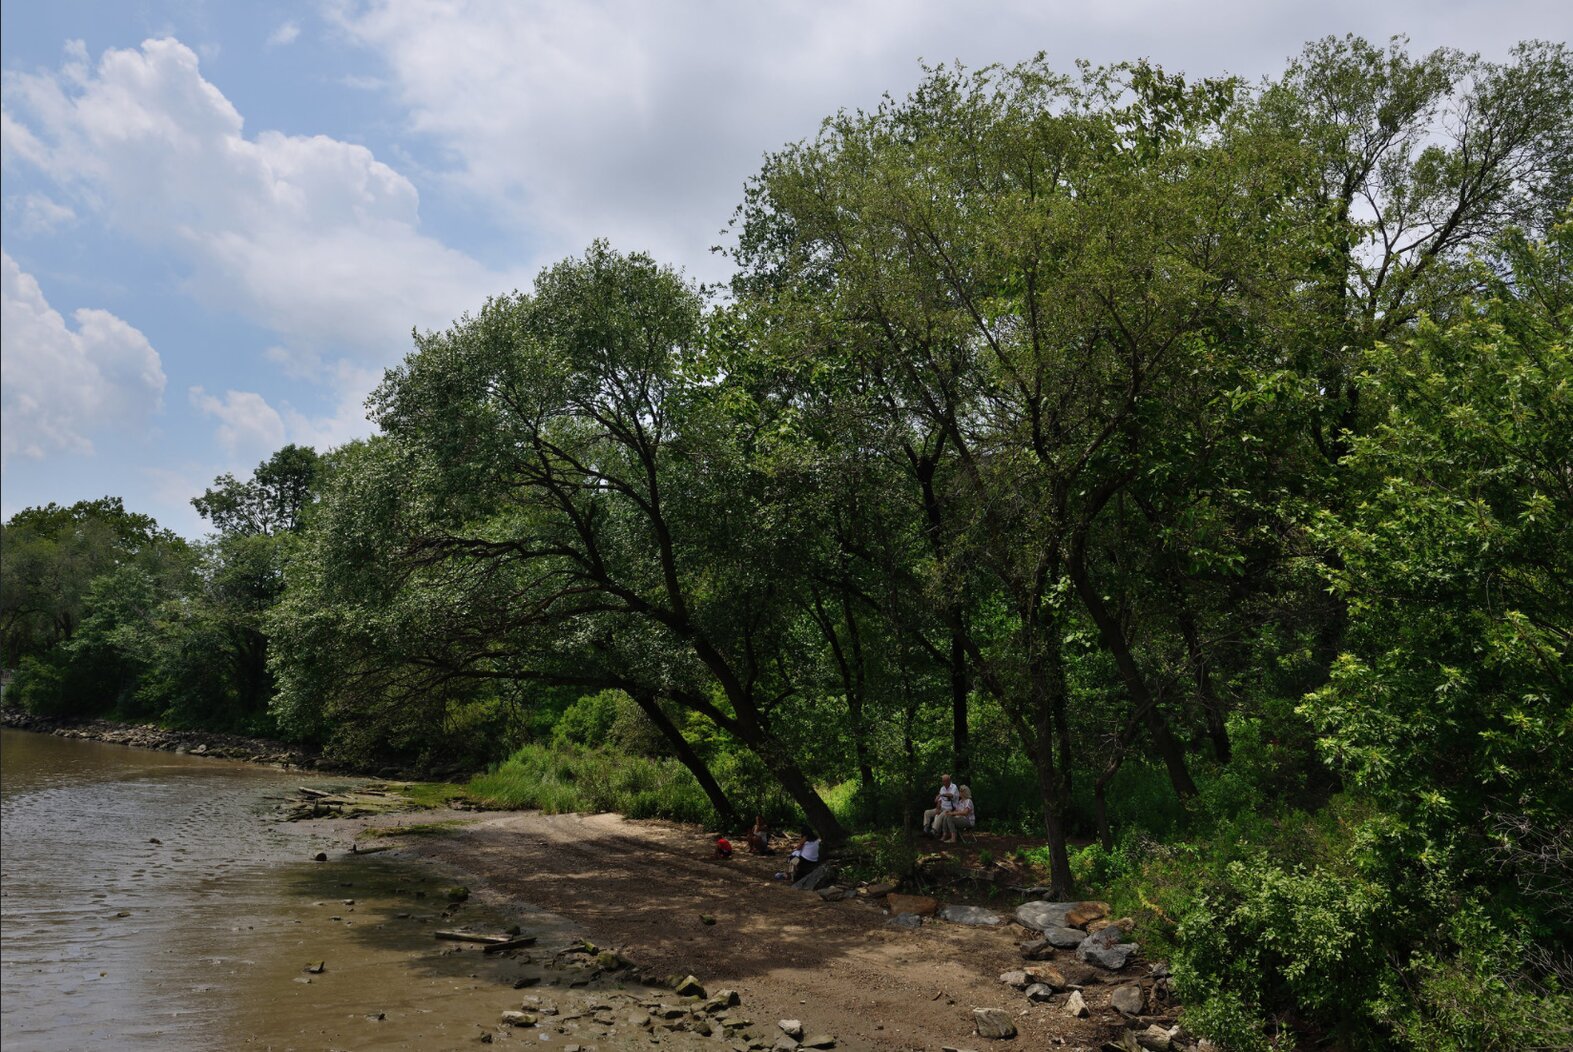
pixel 220 222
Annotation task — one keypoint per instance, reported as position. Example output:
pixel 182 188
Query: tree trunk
pixel 1054 827
pixel 728 814
pixel 1212 704
pixel 1114 640
pixel 960 688
pixel 802 793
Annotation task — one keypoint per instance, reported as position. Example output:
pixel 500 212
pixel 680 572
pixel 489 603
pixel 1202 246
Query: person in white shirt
pixel 805 857
pixel 963 816
pixel 944 803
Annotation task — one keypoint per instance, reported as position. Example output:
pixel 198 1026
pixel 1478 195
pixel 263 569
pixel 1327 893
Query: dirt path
pixel 641 886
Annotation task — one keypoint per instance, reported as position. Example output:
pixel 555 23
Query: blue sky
pixel 221 221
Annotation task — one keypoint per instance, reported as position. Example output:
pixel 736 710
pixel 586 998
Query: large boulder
pixel 921 905
pixel 993 1023
pixel 976 915
pixel 1041 915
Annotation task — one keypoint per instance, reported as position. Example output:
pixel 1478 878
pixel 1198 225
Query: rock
pixel 706 919
pixel 1037 950
pixel 722 999
pixel 1104 949
pixel 818 878
pixel 528 980
pixel 784 1044
pixel 1018 979
pixel 1154 1038
pixel 637 1017
pixel 1160 970
pixel 1086 912
pixel 1075 1005
pixel 1041 915
pixel 877 891
pixel 688 986
pixel 922 905
pixel 1128 999
pixel 1048 975
pixel 1076 973
pixel 518 1018
pixel 819 1041
pixel 835 893
pixel 321 856
pixel 1125 924
pixel 993 1023
pixel 316 967
pixel 975 915
pixel 1064 938
pixel 792 1028
pixel 1111 957
pixel 1039 993
pixel 907 921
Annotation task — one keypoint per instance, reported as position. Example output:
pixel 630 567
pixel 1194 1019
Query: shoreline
pixel 842 964
pixel 184 742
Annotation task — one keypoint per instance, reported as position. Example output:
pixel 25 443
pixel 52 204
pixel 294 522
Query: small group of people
pixel 757 839
pixel 952 812
pixel 804 858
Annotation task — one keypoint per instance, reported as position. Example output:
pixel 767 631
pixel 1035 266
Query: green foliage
pixel 609 719
pixel 274 500
pixel 559 780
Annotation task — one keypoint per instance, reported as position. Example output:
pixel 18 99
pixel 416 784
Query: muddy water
pixel 152 901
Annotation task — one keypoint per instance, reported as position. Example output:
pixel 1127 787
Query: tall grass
pixel 559 779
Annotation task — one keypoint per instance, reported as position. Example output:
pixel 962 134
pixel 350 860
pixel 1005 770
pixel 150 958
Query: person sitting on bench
pixel 963 816
pixel 944 803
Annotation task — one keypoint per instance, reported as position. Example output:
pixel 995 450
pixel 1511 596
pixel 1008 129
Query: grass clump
pixel 563 778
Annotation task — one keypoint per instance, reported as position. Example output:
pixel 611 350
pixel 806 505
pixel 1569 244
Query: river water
pixel 152 901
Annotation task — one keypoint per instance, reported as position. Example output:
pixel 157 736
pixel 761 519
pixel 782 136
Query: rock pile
pixel 621 1017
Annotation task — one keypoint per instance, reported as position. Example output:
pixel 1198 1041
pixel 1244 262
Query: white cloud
pixel 285 34
pixel 248 425
pixel 38 214
pixel 641 121
pixel 63 385
pixel 308 236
